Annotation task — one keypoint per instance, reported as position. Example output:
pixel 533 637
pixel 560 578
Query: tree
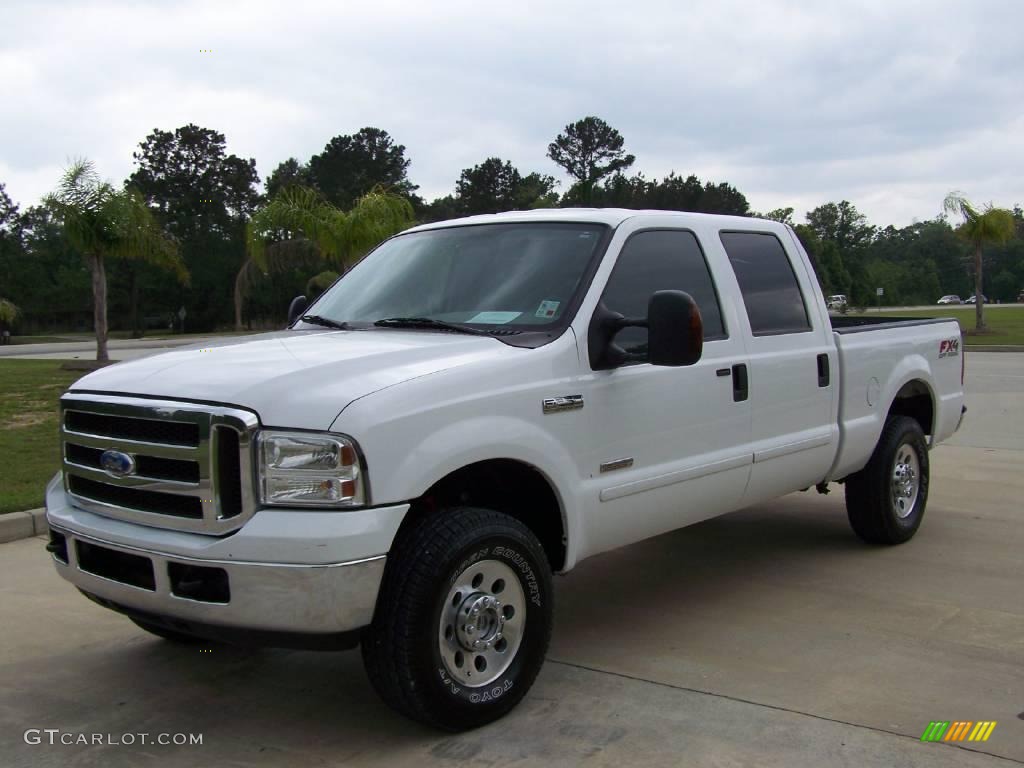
pixel 723 199
pixel 299 224
pixel 489 187
pixel 8 215
pixel 495 185
pixel 589 150
pixel 188 178
pixel 11 252
pixel 1005 286
pixel 8 312
pixel 841 223
pixel 536 190
pixel 351 166
pixel 101 222
pixel 990 225
pixel 290 173
pixel 203 196
pixel 781 215
pixel 441 209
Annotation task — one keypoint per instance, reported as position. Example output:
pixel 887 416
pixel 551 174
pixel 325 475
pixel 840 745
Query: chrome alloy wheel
pixel 906 480
pixel 482 623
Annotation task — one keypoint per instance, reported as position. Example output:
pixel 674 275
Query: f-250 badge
pixel 949 347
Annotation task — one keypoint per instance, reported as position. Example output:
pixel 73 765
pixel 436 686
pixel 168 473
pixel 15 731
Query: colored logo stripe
pixel 958 730
pixel 982 731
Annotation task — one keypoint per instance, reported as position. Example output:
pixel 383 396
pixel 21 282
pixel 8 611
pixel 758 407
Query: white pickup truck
pixel 476 405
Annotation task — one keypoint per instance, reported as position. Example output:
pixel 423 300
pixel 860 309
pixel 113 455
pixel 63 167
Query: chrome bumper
pixel 285 575
pixel 288 599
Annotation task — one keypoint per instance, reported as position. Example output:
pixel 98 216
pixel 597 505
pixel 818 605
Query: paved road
pixel 768 637
pixel 118 349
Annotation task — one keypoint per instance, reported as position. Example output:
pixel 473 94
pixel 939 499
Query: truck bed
pixel 875 366
pixel 847 324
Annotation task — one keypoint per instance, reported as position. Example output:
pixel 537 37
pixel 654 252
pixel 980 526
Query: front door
pixel 668 446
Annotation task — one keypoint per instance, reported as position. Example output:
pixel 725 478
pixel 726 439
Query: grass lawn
pixel 1006 324
pixel 29 448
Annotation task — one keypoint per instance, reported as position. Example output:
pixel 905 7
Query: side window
pixel 768 284
pixel 660 260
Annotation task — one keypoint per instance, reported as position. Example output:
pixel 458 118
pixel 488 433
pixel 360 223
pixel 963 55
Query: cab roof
pixel 609 216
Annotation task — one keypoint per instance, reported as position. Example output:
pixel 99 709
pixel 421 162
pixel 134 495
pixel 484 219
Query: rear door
pixel 792 364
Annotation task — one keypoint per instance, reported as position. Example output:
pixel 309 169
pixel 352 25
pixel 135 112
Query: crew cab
pixel 475 406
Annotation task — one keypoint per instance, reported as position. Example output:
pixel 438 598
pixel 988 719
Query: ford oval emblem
pixel 117 464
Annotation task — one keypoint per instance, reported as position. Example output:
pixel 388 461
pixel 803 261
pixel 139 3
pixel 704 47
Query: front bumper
pixel 281 572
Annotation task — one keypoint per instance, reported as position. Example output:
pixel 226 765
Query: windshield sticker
pixel 547 309
pixel 494 318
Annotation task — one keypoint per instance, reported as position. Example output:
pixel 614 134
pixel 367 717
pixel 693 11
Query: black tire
pixel 873 510
pixel 402 649
pixel 167 634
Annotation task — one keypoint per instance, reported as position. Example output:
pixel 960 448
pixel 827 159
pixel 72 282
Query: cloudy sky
pixel 888 103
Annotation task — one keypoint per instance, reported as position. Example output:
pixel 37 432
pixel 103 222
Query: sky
pixel 889 104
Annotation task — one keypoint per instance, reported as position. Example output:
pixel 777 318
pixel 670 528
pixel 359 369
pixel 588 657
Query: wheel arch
pixel 511 486
pixel 916 400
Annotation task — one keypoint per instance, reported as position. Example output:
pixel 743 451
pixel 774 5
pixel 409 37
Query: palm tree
pixel 988 226
pixel 102 223
pixel 319 283
pixel 299 224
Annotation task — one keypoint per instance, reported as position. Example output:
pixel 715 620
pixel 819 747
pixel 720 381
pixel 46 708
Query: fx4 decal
pixel 949 348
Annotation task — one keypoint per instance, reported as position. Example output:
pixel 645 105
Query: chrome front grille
pixel 192 465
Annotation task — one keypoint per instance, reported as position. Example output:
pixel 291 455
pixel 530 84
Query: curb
pixel 22 525
pixel 993 348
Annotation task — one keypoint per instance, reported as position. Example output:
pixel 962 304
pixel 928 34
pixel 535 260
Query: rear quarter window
pixel 771 292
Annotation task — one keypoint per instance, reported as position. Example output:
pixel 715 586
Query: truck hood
pixel 300 379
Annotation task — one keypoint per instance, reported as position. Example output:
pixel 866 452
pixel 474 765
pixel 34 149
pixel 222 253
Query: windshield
pixel 518 276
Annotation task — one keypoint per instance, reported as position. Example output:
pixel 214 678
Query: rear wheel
pixel 463 619
pixel 886 500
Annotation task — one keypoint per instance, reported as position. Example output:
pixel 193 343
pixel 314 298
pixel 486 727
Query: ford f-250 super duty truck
pixel 476 405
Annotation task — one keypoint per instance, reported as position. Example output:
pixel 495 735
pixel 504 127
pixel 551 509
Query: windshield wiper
pixel 428 323
pixel 326 322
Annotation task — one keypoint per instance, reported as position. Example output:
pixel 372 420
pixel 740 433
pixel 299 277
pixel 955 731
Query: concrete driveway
pixel 769 637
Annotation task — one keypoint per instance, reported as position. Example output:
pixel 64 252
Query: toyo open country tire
pixel 463 618
pixel 886 500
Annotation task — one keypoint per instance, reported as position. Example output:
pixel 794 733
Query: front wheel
pixel 886 500
pixel 463 618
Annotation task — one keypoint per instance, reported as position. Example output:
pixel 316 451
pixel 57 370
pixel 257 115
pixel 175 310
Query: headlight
pixel 309 470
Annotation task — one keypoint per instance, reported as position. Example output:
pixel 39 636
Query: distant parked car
pixel 951 299
pixel 837 302
pixel 1020 297
pixel 972 299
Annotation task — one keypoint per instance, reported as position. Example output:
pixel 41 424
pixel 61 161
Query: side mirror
pixel 296 309
pixel 675 333
pixel 675 330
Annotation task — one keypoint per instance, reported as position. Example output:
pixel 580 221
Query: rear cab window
pixel 771 292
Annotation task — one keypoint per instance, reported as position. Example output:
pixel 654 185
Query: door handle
pixel 740 390
pixel 823 370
